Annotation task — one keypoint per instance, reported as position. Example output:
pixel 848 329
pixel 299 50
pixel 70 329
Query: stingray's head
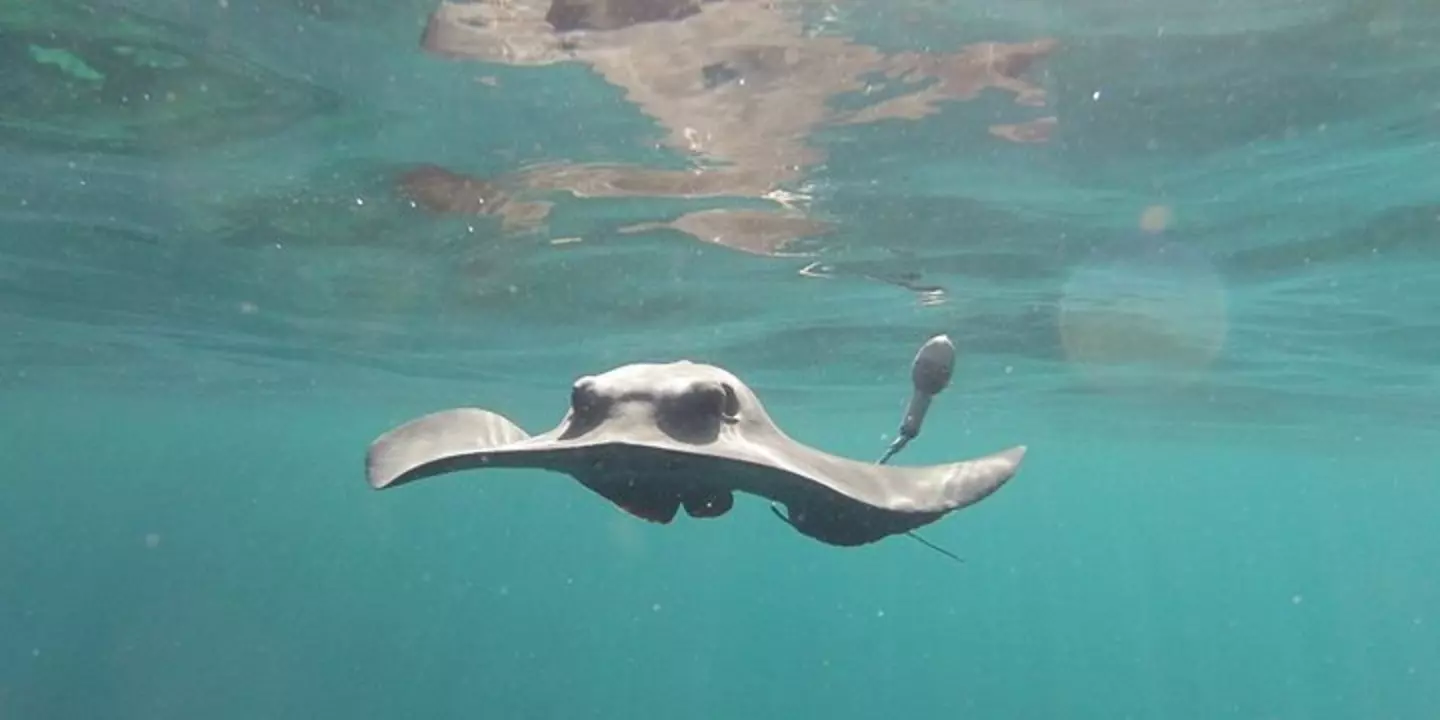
pixel 689 402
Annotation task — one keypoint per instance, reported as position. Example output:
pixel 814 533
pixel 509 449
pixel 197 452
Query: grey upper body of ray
pixel 646 429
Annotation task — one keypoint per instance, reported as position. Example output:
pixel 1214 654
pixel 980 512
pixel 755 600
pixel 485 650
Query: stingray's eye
pixel 583 398
pixel 732 401
pixel 711 400
pixel 705 399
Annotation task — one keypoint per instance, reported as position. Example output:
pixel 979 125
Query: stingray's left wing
pixel 441 442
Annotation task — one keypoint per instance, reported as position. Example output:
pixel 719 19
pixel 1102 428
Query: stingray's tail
pixel 441 442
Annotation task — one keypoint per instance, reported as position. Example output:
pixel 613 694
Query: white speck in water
pixel 359 201
pixel 152 540
pixel 504 589
pixel 879 613
pixel 1096 96
pixel 1297 599
pixel 1009 369
pixel 35 652
pixel 655 607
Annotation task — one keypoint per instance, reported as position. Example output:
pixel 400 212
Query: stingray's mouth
pixel 653 484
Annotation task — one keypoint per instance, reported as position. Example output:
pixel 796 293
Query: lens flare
pixel 1143 311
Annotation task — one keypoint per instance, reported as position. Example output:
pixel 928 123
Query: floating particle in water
pixel 248 308
pixel 655 607
pixel 152 540
pixel 1297 599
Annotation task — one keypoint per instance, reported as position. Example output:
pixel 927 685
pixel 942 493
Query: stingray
pixel 652 438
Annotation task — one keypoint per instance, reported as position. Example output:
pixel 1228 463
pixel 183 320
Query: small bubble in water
pixel 359 201
pixel 152 540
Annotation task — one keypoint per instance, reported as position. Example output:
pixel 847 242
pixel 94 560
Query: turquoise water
pixel 1202 291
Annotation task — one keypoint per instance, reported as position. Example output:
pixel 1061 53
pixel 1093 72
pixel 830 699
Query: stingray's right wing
pixel 442 442
pixel 915 489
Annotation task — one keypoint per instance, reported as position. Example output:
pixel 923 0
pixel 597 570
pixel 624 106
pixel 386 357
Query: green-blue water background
pixel 185 531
